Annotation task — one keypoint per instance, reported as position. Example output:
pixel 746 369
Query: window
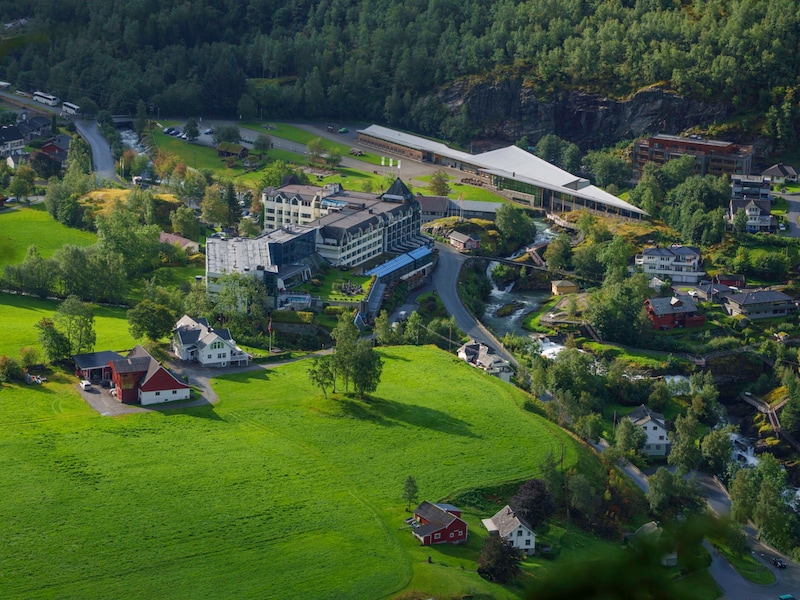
pixel 436 536
pixel 519 532
pixel 158 393
pixel 658 446
pixel 209 356
pixel 661 437
pixel 527 542
pixel 452 534
pixel 174 392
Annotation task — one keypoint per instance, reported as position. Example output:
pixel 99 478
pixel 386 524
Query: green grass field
pixel 469 192
pixel 21 313
pixel 275 492
pixel 22 226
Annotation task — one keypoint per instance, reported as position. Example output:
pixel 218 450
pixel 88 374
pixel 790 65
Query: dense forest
pixel 390 60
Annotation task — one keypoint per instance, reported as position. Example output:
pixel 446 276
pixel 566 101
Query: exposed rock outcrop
pixel 508 109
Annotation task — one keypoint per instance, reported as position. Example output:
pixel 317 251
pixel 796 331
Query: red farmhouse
pixel 439 524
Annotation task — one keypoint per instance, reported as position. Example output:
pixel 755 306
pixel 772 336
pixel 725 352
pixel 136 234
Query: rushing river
pixel 528 300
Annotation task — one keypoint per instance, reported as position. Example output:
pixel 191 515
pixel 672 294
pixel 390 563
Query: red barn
pixel 439 524
pixel 139 378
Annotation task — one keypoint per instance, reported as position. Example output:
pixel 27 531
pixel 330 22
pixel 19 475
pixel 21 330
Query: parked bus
pixel 70 109
pixel 45 99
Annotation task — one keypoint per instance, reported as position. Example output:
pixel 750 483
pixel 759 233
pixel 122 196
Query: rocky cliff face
pixel 508 110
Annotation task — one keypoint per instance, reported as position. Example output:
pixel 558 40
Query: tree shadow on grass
pixel 390 413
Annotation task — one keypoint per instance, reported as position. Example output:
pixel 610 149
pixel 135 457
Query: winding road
pixel 445 283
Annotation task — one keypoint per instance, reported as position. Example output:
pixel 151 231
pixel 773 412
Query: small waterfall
pixel 743 451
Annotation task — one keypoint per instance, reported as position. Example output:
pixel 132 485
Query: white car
pixel 781 226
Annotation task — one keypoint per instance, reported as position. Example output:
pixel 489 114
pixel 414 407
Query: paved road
pixel 101 152
pixel 792 214
pixel 445 283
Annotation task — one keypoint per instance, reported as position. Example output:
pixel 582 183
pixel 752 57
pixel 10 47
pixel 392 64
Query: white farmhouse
pixel 654 426
pixel 512 528
pixel 194 340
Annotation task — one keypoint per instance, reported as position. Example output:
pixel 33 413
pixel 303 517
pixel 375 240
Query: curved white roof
pixel 510 162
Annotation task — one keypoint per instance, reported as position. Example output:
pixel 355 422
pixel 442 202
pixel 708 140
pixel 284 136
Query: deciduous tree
pixel 54 343
pixel 77 320
pixel 367 368
pixel 499 561
pixel 438 184
pixel 191 129
pixel 685 452
pixel 151 320
pixel 629 439
pixel 534 502
pixel 410 491
pixel 320 373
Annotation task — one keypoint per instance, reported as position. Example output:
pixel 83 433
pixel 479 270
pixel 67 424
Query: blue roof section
pixel 420 252
pixel 391 266
pixel 399 262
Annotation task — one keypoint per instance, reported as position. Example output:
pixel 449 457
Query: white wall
pixel 146 398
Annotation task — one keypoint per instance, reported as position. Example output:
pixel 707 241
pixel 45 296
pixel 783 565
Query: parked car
pixel 343 130
pixel 781 226
pixel 208 131
pixel 778 562
pixel 85 385
pixel 786 597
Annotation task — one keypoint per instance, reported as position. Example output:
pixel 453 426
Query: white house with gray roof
pixel 514 529
pixel 682 264
pixel 194 340
pixel 655 428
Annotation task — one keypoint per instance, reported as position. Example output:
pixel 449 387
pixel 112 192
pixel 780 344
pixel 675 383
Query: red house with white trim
pixel 139 378
pixel 439 524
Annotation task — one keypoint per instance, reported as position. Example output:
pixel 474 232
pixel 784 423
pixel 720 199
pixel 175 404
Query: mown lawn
pixel 333 276
pixel 21 313
pixel 275 492
pixel 23 226
pixel 469 192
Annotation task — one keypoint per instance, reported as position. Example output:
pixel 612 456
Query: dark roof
pixel 780 170
pixel 433 204
pixel 10 133
pixel 61 141
pixel 674 250
pixel 434 514
pixel 137 361
pixel 397 192
pixel 642 414
pixel 188 335
pixel 671 306
pixel 758 297
pixel 710 289
pixel 763 204
pixel 93 360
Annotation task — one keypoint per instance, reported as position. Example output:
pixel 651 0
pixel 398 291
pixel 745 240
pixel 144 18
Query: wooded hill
pixel 394 60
